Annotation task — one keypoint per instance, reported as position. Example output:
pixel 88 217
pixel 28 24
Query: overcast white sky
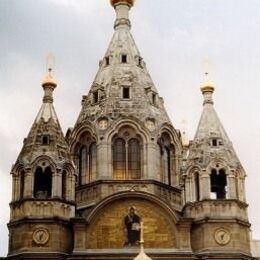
pixel 173 36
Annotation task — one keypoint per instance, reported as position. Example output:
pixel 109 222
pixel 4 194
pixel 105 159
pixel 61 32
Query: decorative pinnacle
pixel 207 85
pixel 49 80
pixel 116 2
pixel 49 84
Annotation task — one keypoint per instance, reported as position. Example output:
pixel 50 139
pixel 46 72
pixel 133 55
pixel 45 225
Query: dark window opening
pixel 126 93
pixel 218 181
pixel 42 183
pixel 107 61
pixel 83 165
pixel 197 186
pixel 95 97
pixel 64 185
pixel 168 165
pixel 214 142
pixel 22 185
pixel 140 61
pixel 124 58
pixel 154 98
pixel 45 140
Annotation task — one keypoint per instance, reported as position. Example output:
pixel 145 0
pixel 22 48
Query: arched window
pixel 218 183
pixel 134 159
pixel 197 186
pixel 64 185
pixel 83 165
pixel 42 183
pixel 92 161
pixel 166 153
pixel 22 184
pixel 119 158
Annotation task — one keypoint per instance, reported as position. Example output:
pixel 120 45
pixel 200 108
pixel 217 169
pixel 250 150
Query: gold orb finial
pixel 49 80
pixel 115 2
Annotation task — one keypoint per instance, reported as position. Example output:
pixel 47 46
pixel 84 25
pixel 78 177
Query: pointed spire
pixel 142 255
pixel 46 126
pixel 122 8
pixel 207 87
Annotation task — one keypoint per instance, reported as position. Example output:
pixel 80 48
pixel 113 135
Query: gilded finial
pixel 50 64
pixel 115 2
pixel 207 85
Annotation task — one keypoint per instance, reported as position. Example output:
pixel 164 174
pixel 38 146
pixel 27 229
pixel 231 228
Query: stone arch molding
pixel 106 221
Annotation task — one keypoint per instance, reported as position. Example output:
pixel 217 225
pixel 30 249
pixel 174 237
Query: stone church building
pixel 85 195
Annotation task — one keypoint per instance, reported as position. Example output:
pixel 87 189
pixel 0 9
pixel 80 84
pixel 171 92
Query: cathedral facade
pixel 86 195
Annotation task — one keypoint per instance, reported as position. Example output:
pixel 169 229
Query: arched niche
pixel 107 229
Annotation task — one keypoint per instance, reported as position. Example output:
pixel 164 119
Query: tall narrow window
pixel 92 161
pixel 43 183
pixel 119 159
pixel 107 61
pixel 218 181
pixel 134 159
pixel 64 185
pixel 83 165
pixel 124 58
pixel 22 184
pixel 126 92
pixel 45 140
pixel 166 153
pixel 154 99
pixel 95 97
pixel 197 186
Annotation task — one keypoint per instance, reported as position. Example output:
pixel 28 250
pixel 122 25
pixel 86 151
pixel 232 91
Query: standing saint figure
pixel 132 223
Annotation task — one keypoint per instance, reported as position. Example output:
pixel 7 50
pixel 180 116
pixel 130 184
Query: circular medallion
pixel 150 124
pixel 41 236
pixel 222 236
pixel 102 124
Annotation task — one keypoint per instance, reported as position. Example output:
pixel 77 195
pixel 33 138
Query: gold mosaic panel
pixel 108 229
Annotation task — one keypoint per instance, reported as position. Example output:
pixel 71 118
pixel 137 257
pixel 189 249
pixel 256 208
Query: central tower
pixel 126 151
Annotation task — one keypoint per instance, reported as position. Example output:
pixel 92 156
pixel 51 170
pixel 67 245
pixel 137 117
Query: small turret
pixel 43 183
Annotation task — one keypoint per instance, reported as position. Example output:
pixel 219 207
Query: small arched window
pixel 166 154
pixel 64 185
pixel 197 186
pixel 92 161
pixel 43 183
pixel 22 184
pixel 83 164
pixel 87 163
pixel 218 183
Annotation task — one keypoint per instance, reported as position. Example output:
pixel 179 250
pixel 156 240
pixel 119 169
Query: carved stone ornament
pixel 222 236
pixel 41 236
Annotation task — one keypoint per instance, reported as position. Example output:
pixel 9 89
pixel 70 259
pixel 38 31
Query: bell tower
pixel 214 187
pixel 43 186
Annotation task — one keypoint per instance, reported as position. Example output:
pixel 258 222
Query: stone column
pixel 150 172
pixel 79 228
pixel 231 189
pixel 184 233
pixel 104 161
pixel 28 183
pixel 205 185
pixel 57 184
pixel 16 187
